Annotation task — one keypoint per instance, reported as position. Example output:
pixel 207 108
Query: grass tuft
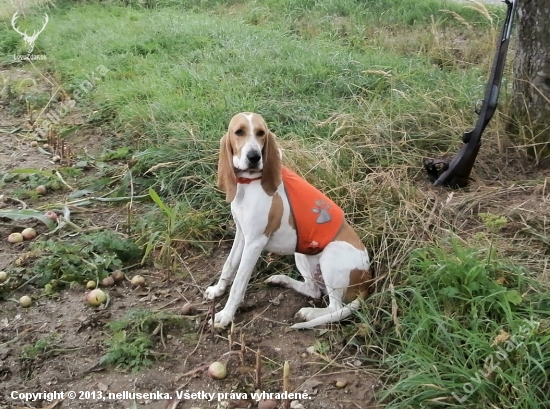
pixel 460 330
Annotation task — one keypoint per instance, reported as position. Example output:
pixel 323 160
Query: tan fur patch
pixel 271 175
pixel 349 235
pixel 227 181
pixel 291 221
pixel 275 215
pixel 359 285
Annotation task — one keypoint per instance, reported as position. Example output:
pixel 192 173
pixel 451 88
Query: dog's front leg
pixel 229 268
pixel 251 252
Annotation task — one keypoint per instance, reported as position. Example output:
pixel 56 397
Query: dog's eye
pixel 260 133
pixel 239 132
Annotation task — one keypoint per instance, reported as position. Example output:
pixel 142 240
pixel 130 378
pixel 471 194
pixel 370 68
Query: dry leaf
pixel 501 338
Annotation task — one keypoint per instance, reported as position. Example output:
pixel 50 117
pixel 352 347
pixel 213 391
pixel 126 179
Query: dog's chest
pixel 283 241
pixel 251 211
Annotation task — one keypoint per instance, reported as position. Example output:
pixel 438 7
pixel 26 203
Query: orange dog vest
pixel 318 219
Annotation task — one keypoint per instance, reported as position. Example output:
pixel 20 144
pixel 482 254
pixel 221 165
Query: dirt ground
pixel 77 333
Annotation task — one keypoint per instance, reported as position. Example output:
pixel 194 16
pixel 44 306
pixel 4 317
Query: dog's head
pixel 248 147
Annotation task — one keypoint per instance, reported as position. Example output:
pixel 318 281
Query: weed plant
pixel 133 339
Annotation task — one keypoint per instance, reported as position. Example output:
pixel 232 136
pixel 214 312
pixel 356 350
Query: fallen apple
pixel 29 233
pixel 189 309
pixel 96 297
pixel 51 215
pixel 217 370
pixel 267 404
pixel 341 383
pixel 90 285
pixel 41 190
pixel 15 238
pixel 25 301
pixel 3 276
pixel 137 281
pixel 118 276
pixel 108 282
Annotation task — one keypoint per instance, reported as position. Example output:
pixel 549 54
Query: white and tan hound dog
pixel 259 189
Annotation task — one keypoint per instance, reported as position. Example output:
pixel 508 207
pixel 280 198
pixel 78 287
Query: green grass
pixel 358 94
pixel 459 324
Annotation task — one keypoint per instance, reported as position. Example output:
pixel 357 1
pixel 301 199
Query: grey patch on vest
pixel 322 208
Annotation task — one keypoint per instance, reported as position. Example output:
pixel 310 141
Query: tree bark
pixel 531 100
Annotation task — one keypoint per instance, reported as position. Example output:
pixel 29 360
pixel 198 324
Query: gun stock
pixel 456 174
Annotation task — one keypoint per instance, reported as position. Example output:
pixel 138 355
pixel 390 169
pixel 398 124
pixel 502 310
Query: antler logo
pixel 29 40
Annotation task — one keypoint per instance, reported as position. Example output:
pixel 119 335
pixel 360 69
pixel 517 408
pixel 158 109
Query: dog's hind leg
pixel 345 271
pixel 317 317
pixel 308 266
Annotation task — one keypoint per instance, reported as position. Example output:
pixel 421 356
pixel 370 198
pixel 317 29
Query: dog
pixel 276 210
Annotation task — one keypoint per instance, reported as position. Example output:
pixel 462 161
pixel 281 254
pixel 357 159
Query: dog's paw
pixel 222 319
pixel 278 279
pixel 307 313
pixel 301 325
pixel 214 291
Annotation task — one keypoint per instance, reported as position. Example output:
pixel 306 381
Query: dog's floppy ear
pixel 227 181
pixel 271 174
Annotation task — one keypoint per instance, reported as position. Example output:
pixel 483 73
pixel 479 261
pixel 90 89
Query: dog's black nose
pixel 253 157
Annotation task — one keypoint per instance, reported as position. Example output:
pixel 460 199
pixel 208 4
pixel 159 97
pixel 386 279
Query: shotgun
pixel 456 174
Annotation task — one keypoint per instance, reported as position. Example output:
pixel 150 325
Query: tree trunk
pixel 531 101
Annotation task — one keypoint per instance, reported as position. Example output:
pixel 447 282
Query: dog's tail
pixel 335 316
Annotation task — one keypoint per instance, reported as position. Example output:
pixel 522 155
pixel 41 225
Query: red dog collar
pixel 246 181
